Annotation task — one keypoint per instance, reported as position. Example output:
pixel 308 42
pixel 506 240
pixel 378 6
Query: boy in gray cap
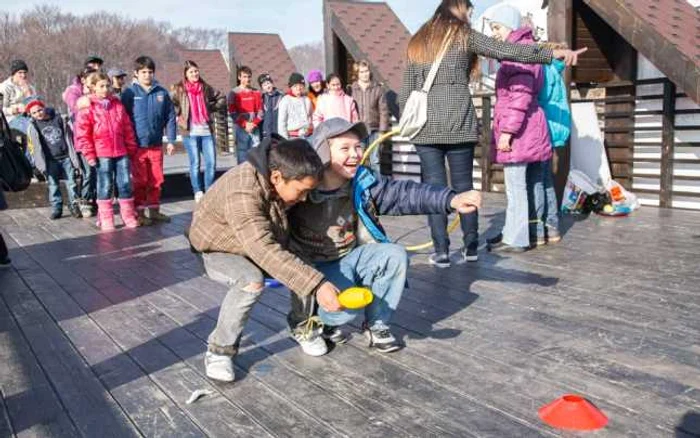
pixel 341 213
pixel 118 78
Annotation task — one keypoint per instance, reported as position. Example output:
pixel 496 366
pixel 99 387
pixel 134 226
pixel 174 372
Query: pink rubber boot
pixel 128 212
pixel 105 215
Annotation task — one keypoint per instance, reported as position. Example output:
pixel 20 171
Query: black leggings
pixel 3 249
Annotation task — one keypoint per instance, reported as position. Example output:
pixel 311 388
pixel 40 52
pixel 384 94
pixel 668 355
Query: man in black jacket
pixel 271 97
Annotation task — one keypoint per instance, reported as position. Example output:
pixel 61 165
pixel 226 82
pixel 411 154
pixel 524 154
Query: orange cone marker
pixel 573 412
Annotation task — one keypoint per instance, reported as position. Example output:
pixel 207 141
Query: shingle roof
pixel 374 32
pixel 212 67
pixel 263 53
pixel 667 32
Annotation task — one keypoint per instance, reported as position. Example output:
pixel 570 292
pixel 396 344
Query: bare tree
pixel 308 57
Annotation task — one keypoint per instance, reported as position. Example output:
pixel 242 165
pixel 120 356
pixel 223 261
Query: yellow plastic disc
pixel 355 297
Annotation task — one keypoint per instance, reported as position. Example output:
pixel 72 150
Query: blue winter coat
pixel 552 99
pixel 374 195
pixel 151 113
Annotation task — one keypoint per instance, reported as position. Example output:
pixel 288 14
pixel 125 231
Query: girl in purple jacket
pixel 520 132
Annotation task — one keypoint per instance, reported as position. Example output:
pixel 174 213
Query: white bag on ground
pixel 578 187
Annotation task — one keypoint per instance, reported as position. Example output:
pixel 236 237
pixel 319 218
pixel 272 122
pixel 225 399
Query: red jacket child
pixel 104 130
pixel 245 105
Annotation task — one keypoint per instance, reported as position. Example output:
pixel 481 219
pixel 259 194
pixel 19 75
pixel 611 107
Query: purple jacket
pixel 517 111
pixel 71 95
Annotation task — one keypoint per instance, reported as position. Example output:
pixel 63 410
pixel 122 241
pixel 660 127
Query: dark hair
pixel 143 62
pixel 295 159
pixel 332 76
pixel 84 73
pixel 244 69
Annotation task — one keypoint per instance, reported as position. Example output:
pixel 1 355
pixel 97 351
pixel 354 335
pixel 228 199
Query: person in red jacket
pixel 106 138
pixel 246 109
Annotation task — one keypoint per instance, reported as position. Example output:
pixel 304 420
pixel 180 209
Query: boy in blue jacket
pixel 151 112
pixel 341 213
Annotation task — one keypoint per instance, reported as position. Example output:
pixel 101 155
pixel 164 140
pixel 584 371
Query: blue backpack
pixel 552 99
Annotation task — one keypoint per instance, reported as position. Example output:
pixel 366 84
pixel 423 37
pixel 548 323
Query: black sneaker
pixel 5 263
pixel 381 339
pixel 56 214
pixel 440 260
pixel 75 211
pixel 334 334
pixel 468 254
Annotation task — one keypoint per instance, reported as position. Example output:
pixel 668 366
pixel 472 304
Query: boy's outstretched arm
pixel 399 198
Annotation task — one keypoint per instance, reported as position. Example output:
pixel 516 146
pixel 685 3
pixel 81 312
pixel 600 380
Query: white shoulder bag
pixel 415 113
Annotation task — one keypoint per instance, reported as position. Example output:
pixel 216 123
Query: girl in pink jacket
pixel 520 132
pixel 335 103
pixel 106 138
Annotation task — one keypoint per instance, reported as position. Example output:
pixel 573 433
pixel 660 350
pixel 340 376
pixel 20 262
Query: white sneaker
pixel 219 367
pixel 310 339
pixel 198 196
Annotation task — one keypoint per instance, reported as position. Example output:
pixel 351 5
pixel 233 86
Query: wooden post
pixel 667 144
pixel 486 144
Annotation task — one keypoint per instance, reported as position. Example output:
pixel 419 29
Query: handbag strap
pixel 428 84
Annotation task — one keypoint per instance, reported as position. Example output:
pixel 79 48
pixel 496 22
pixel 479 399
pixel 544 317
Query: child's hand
pixel 570 57
pixel 249 127
pixel 327 296
pixel 467 202
pixel 170 149
pixel 92 163
pixel 504 142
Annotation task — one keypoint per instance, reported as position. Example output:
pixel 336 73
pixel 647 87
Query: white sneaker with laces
pixel 309 336
pixel 219 367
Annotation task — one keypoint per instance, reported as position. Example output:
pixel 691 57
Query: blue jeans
pixel 516 230
pixel 204 145
pixel 245 142
pixel 107 169
pixel 375 156
pixel 55 169
pixel 381 267
pixel 461 160
pixel 542 198
pixel 88 189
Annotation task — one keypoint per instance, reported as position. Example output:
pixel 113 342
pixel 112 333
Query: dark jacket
pixel 374 196
pixel 451 113
pixel 151 112
pixel 271 103
pixel 213 99
pixel 39 151
pixel 240 214
pixel 372 106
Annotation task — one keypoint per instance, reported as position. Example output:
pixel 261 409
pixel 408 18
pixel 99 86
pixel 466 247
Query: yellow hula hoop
pixel 453 225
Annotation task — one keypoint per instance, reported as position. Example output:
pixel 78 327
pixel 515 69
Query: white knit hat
pixel 504 14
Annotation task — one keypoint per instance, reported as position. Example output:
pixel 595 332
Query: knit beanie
pixel 265 77
pixel 314 76
pixel 18 65
pixel 506 15
pixel 296 78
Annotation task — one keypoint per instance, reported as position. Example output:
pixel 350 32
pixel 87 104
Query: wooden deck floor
pixel 103 335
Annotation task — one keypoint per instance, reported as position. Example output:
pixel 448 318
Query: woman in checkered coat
pixel 451 130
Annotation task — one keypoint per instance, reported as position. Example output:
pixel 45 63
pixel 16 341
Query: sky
pixel 297 21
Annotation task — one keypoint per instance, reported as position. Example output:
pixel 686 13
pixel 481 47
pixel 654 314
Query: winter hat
pixel 18 65
pixel 34 102
pixel 94 59
pixel 332 128
pixel 296 78
pixel 115 73
pixel 314 76
pixel 265 77
pixel 506 15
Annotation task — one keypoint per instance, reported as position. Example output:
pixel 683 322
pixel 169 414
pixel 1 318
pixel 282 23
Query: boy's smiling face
pixel 346 154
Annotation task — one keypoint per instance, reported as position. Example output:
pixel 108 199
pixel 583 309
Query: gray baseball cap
pixel 333 128
pixel 115 73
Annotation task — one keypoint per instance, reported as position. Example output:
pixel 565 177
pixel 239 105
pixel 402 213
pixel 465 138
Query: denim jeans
pixel 375 157
pixel 461 161
pixel 107 169
pixel 55 169
pixel 245 142
pixel 195 146
pixel 238 273
pixel 516 230
pixel 88 189
pixel 542 198
pixel 381 267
